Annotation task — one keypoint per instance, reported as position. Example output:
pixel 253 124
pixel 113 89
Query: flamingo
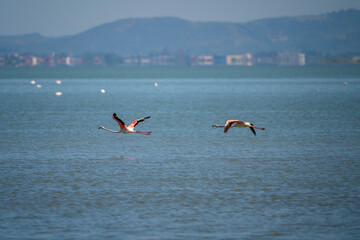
pixel 239 124
pixel 126 129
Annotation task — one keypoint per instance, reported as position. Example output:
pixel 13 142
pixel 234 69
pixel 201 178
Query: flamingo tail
pixel 141 132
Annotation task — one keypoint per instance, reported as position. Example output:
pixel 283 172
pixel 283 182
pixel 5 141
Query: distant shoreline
pixel 184 72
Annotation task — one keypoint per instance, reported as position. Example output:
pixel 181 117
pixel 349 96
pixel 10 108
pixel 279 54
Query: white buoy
pixel 38 86
pixel 156 84
pixel 58 82
pixel 58 93
pixel 32 82
pixel 102 91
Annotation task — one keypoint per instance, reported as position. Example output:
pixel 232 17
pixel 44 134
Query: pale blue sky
pixel 66 17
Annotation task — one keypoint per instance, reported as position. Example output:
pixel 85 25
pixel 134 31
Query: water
pixel 62 178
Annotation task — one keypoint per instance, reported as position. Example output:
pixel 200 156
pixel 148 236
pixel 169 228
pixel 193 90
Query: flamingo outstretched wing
pixel 253 130
pixel 135 122
pixel 229 123
pixel 119 121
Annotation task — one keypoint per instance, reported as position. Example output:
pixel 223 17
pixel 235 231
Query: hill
pixel 336 32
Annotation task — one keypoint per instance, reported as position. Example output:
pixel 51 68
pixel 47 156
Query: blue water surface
pixel 63 178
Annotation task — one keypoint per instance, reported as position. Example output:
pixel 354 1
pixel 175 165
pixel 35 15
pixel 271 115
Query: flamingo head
pixel 215 125
pixel 101 127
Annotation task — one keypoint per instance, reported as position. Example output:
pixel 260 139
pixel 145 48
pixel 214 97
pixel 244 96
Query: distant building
pixel 131 61
pixel 162 60
pixel 302 61
pixel 97 60
pixel 205 60
pixel 266 58
pixel 50 60
pixel 242 60
pixel 291 58
pixel 68 61
pixel 34 61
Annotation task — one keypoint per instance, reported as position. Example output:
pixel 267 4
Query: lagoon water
pixel 62 178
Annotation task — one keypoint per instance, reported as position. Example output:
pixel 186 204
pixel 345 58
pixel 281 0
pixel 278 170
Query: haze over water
pixel 62 178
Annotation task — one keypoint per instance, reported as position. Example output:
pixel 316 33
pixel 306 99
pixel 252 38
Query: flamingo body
pixel 239 124
pixel 127 129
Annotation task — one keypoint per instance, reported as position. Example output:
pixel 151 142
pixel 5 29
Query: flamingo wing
pixel 135 122
pixel 119 121
pixel 253 130
pixel 228 124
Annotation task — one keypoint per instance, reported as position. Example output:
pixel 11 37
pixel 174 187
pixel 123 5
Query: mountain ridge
pixel 333 32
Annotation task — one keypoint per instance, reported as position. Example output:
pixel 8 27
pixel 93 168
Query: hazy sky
pixel 66 17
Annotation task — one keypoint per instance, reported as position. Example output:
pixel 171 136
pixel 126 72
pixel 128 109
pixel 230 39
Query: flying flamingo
pixel 126 129
pixel 239 124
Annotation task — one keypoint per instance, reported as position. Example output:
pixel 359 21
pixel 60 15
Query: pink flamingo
pixel 239 124
pixel 126 129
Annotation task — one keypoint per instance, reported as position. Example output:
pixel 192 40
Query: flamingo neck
pixel 110 130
